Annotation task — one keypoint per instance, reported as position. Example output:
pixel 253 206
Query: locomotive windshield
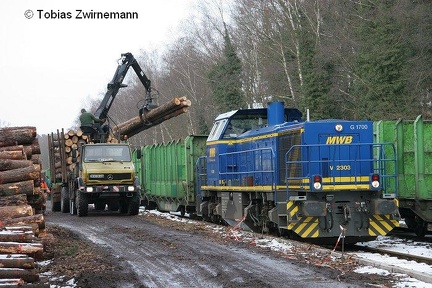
pixel 240 124
pixel 232 124
pixel 237 124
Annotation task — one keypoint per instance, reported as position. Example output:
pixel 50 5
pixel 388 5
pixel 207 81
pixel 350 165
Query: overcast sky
pixel 49 68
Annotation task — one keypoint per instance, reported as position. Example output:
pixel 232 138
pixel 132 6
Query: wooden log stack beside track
pixel 22 204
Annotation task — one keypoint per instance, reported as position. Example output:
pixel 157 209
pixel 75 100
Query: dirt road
pixel 173 256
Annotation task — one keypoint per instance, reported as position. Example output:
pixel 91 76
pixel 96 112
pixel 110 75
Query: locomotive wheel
pixel 64 200
pixel 216 219
pixel 82 204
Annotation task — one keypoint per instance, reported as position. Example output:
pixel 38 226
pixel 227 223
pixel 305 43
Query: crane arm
pixel 126 61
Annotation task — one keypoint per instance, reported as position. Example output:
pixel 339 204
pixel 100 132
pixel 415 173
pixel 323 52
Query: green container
pixel 168 173
pixel 412 140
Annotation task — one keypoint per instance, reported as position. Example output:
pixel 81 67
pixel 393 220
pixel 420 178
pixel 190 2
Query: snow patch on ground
pixel 391 243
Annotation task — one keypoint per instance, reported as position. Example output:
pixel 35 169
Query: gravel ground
pixel 109 250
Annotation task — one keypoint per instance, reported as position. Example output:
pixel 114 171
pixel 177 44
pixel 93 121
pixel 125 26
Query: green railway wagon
pixel 414 154
pixel 168 174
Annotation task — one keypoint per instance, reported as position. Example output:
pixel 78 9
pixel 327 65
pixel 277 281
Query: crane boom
pixel 126 61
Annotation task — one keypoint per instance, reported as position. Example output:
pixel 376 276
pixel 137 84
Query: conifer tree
pixel 225 79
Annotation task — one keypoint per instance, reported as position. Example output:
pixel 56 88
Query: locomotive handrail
pixel 304 161
pixel 201 174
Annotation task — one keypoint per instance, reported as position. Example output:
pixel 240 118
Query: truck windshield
pixel 105 153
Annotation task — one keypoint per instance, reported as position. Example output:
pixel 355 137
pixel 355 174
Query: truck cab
pixel 105 175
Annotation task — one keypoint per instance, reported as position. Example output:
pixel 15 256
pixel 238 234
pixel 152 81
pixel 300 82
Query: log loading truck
pixel 90 168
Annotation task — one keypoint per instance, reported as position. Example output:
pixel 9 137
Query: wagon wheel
pixel 421 227
pixel 182 211
pixel 418 225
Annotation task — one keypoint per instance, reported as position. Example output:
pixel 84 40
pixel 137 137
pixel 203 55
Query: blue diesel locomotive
pixel 267 169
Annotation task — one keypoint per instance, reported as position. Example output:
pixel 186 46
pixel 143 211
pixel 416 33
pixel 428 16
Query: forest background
pixel 346 59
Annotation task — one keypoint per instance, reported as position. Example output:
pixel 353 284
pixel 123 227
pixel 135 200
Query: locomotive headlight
pixel 338 127
pixel 317 182
pixel 375 181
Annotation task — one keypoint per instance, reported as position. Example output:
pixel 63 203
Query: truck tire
pixel 82 204
pixel 64 200
pixel 55 206
pixel 134 204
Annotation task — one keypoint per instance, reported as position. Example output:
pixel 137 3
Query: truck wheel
pixel 55 206
pixel 82 204
pixel 134 204
pixel 64 200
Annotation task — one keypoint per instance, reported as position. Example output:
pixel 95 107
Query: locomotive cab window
pixel 217 129
pixel 240 124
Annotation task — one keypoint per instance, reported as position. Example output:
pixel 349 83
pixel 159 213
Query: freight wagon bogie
pixel 266 169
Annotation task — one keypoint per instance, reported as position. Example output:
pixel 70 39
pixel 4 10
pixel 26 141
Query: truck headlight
pixel 89 189
pixel 131 188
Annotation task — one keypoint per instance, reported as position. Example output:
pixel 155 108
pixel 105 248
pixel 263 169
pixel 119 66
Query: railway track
pixel 401 255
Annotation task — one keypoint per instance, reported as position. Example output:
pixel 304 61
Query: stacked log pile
pixel 171 109
pixel 22 203
pixel 61 145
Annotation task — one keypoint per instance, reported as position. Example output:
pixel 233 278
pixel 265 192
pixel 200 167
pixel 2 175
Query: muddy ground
pixel 109 250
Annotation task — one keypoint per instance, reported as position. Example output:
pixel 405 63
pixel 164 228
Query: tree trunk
pixel 9 164
pixel 10 212
pixel 28 275
pixel 21 174
pixel 17 261
pixel 17 236
pixel 36 159
pixel 9 283
pixel 38 219
pixel 34 147
pixel 12 148
pixel 32 249
pixel 14 155
pixel 13 200
pixel 10 136
pixel 33 227
pixel 22 187
pixel 156 116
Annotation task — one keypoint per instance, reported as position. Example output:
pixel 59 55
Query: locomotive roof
pixel 291 113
